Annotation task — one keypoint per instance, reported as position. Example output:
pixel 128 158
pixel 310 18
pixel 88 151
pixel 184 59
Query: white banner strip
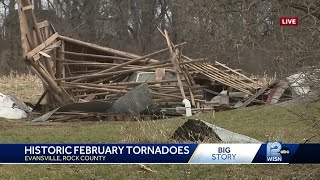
pixel 224 153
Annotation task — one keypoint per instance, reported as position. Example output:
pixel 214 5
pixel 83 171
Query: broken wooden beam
pixel 257 94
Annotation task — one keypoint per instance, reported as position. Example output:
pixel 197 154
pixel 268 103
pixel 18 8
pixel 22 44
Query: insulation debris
pixel 12 108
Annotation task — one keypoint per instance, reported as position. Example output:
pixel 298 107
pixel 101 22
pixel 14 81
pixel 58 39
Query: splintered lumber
pixel 228 77
pixel 130 62
pixel 93 85
pixel 221 79
pixel 35 26
pixel 190 81
pixel 43 24
pixel 257 94
pixel 26 42
pixel 40 40
pixel 228 73
pixel 59 64
pixel 42 45
pixel 46 77
pixel 103 49
pixel 99 65
pixel 98 88
pixel 27 7
pixel 174 61
pixel 75 71
pixel 137 83
pixel 225 77
pixel 53 46
pixel 194 61
pixel 175 66
pixel 237 73
pixel 113 73
pixel 97 56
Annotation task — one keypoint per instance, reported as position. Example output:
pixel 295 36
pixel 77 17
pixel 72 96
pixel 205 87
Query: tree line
pixel 241 33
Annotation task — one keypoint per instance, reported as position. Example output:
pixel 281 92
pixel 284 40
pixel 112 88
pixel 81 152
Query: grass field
pixel 263 123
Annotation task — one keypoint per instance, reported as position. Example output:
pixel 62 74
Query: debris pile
pixel 73 71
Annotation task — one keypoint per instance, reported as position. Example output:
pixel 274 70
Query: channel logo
pixel 275 151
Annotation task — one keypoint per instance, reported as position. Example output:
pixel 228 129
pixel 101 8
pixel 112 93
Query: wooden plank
pixel 43 24
pixel 194 61
pixel 35 26
pixel 44 75
pixel 130 62
pixel 235 72
pixel 103 49
pixel 90 97
pixel 137 83
pixel 97 56
pixel 27 45
pixel 113 73
pixel 84 86
pixel 40 40
pixel 53 30
pixel 225 77
pixel 174 60
pixel 46 32
pixel 168 41
pixel 257 94
pixel 59 64
pixel 36 57
pixel 190 82
pixel 218 78
pixel 229 77
pixel 34 38
pixel 42 45
pixel 52 46
pixel 44 54
pixel 175 67
pixel 27 7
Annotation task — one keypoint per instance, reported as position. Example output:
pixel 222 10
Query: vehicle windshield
pixel 150 76
pixel 142 77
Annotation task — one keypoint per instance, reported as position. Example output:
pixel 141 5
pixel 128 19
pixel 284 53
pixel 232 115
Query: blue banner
pixel 96 153
pixel 275 152
pixel 272 152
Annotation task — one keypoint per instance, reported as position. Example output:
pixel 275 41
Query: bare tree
pixel 244 34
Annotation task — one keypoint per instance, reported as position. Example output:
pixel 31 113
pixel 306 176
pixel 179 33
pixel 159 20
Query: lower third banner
pixel 271 152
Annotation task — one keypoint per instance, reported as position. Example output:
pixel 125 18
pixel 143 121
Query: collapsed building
pixel 74 71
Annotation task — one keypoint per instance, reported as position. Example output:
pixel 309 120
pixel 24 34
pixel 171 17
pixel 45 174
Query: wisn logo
pixel 275 152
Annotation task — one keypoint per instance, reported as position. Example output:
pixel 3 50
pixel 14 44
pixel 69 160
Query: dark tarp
pixel 136 101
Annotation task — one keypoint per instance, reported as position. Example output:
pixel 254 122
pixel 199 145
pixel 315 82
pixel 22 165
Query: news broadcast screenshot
pixel 159 89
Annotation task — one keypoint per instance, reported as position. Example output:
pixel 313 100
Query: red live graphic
pixel 287 21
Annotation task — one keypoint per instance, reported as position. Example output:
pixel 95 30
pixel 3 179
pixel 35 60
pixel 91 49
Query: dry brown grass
pixel 25 87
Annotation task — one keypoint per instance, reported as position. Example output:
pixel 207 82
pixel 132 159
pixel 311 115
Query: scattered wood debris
pixel 74 71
